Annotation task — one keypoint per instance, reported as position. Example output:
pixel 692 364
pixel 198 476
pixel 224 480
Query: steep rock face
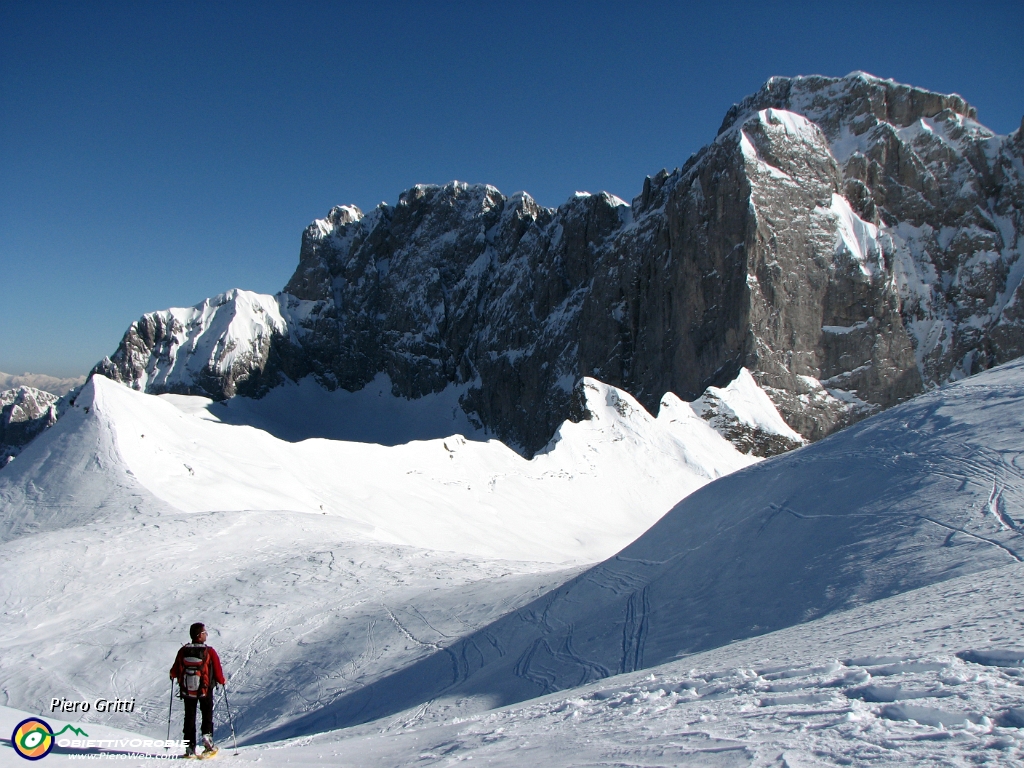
pixel 849 241
pixel 24 413
pixel 949 196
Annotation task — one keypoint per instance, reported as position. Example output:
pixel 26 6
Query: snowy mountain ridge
pixel 341 562
pixel 229 332
pixel 598 485
pixel 850 241
pixel 183 347
pixel 24 413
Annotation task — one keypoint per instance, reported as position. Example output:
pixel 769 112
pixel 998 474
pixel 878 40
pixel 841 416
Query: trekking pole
pixel 170 705
pixel 231 722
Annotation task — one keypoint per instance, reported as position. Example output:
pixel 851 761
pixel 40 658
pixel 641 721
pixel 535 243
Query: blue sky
pixel 153 154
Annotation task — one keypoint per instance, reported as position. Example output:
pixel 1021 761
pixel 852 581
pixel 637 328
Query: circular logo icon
pixel 32 738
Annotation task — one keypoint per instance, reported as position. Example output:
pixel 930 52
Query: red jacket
pixel 212 672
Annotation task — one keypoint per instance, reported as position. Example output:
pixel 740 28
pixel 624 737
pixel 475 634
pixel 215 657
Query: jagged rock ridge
pixel 850 241
pixel 24 413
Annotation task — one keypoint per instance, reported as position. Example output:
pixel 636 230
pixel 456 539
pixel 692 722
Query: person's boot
pixel 208 743
pixel 189 752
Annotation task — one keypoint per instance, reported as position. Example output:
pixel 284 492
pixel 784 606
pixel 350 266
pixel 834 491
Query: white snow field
pixel 856 602
pixel 744 402
pixel 319 565
pixel 599 485
pixel 930 677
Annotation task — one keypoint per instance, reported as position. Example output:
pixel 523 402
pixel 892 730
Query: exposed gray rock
pixel 24 413
pixel 216 349
pixel 950 195
pixel 849 240
pixel 744 416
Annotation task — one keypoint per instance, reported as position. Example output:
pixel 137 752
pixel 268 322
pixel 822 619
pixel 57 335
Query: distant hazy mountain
pixel 850 241
pixel 28 405
pixel 51 384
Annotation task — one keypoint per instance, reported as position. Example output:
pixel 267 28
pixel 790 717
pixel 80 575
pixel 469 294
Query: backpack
pixel 194 679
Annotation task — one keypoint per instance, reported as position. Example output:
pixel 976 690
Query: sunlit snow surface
pixel 599 485
pixel 320 565
pixel 878 685
pixel 877 556
pixel 743 400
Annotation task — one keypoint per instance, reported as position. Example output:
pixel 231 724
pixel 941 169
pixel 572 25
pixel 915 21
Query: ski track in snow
pixel 101 612
pixel 894 504
pixel 902 681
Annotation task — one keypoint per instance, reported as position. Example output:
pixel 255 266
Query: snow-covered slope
pixel 600 484
pixel 213 345
pixel 303 410
pixel 302 608
pixel 929 677
pixel 743 414
pixel 928 491
pixel 320 565
pixel 893 532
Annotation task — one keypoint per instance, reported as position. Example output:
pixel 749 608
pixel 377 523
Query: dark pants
pixel 206 707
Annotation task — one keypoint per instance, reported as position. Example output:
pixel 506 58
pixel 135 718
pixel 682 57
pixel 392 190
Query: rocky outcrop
pixel 216 349
pixel 24 413
pixel 850 241
pixel 744 415
pixel 948 195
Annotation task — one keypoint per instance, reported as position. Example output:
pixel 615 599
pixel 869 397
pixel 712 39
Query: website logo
pixel 32 738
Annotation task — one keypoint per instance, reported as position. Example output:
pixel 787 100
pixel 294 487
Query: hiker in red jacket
pixel 197 670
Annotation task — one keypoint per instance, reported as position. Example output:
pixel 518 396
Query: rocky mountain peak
pixel 857 102
pixel 849 241
pixel 341 215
